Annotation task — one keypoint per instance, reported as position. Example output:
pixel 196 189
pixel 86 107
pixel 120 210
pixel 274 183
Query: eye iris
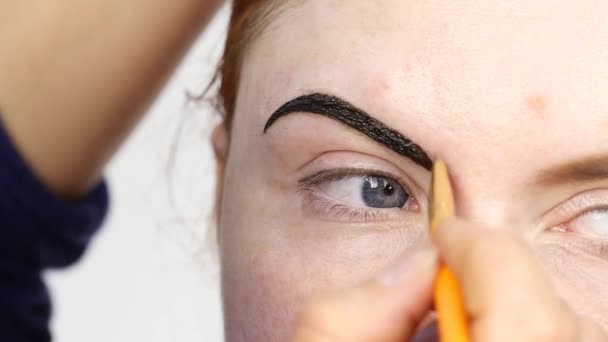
pixel 380 192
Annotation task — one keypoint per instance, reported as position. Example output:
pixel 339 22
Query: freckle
pixel 537 103
pixel 386 85
pixel 378 88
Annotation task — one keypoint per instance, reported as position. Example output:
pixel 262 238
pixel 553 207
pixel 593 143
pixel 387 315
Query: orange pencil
pixel 452 317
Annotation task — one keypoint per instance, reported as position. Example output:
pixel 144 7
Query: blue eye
pixel 367 191
pixel 380 192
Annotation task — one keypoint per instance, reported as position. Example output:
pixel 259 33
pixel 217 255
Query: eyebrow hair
pixel 353 117
pixel 581 170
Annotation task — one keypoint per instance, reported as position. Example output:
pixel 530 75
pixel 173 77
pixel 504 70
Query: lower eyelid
pixel 320 205
pixel 577 243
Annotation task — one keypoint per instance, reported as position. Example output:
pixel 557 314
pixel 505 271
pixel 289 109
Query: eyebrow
pixel 353 117
pixel 582 170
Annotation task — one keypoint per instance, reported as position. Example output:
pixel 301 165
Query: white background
pixel 151 273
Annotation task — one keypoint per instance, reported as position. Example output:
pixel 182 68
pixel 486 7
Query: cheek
pixel 580 278
pixel 258 303
pixel 272 263
pixel 266 280
pixel 264 289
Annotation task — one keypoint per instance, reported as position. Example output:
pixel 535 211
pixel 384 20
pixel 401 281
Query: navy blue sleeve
pixel 38 231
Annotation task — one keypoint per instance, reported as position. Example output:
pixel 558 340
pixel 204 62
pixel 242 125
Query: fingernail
pixel 411 266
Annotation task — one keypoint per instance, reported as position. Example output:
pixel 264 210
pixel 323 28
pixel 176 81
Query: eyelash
pixel 330 208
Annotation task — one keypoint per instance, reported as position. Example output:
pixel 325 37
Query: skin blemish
pixel 537 104
pixel 378 87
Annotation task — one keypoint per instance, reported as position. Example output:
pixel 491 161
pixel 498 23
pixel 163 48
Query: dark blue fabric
pixel 38 231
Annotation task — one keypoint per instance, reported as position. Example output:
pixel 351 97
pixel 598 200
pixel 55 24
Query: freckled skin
pixel 500 90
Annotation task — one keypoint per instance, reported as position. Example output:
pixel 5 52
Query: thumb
pixel 385 309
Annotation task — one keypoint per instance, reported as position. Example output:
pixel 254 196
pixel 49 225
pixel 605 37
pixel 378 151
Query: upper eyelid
pixel 404 172
pixel 573 207
pixel 342 173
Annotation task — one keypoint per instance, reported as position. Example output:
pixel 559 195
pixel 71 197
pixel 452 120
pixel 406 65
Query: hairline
pixel 261 20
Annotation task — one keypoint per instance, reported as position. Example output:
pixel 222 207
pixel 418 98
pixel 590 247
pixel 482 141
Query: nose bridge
pixel 489 211
pixel 480 197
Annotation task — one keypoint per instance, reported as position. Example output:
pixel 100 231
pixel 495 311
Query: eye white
pixel 347 190
pixel 594 223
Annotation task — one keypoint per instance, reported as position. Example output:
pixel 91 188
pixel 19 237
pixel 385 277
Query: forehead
pixel 523 76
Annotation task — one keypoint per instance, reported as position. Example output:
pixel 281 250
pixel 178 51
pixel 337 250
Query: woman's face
pixel 512 95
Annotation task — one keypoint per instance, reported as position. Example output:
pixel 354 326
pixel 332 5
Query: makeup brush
pixel 452 318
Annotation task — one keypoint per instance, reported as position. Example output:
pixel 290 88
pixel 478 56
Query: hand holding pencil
pixel 488 287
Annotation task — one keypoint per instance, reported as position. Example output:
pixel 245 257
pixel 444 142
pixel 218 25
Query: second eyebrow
pixel 344 112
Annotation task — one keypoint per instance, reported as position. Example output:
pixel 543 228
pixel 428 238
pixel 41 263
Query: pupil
pixel 389 190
